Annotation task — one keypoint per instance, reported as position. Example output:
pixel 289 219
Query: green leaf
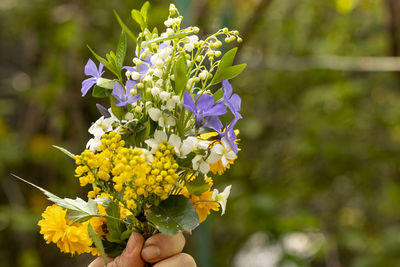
pixel 170 37
pixel 117 111
pixel 145 10
pixel 121 49
pixel 78 209
pixel 227 59
pixel 197 186
pixel 97 242
pixel 218 94
pixel 228 73
pixel 66 152
pixel 101 92
pixel 180 74
pixel 125 28
pixel 174 214
pixel 137 16
pixel 113 225
pixel 110 65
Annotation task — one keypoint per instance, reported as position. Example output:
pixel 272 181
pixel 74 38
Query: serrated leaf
pixel 100 92
pixel 97 242
pixel 137 16
pixel 228 73
pixel 78 209
pixel 197 186
pixel 113 225
pixel 125 28
pixel 66 152
pixel 174 214
pixel 166 38
pixel 180 74
pixel 145 10
pixel 121 49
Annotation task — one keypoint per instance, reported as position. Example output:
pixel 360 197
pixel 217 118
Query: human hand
pixel 164 250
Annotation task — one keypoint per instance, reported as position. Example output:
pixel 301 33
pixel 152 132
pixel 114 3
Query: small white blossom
pixel 135 75
pixel 164 96
pixel 221 152
pixel 163 119
pixel 158 72
pixel 155 91
pixel 222 198
pixel 200 164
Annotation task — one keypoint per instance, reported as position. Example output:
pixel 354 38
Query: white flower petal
pixel 160 136
pixel 154 114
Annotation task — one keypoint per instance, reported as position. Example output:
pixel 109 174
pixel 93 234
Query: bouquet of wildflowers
pixel 150 162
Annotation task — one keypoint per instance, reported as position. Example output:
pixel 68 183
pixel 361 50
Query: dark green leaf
pixel 101 92
pixel 180 74
pixel 113 225
pixel 228 73
pixel 124 27
pixel 121 49
pixel 137 16
pixel 197 186
pixel 174 214
pixel 97 242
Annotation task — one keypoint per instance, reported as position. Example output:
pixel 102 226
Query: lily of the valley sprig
pixel 150 165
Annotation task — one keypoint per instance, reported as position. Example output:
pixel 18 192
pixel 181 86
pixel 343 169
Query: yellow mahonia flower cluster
pixel 69 238
pixel 163 174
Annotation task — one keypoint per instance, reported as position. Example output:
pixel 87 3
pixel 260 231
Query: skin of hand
pixel 161 249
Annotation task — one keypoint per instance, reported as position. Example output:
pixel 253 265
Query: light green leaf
pixel 100 92
pixel 97 242
pixel 145 10
pixel 121 49
pixel 137 16
pixel 228 73
pixel 174 214
pixel 78 209
pixel 180 74
pixel 125 28
pixel 227 59
pixel 166 38
pixel 218 94
pixel 66 152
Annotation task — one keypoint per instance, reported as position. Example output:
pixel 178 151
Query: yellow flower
pixel 53 225
pixel 76 239
pixel 69 238
pixel 203 203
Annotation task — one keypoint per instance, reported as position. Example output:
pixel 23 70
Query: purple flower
pixel 91 70
pixel 203 108
pixel 124 98
pixel 231 101
pixel 214 123
pixel 230 135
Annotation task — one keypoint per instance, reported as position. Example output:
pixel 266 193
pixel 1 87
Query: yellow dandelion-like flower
pixel 76 239
pixel 53 225
pixel 69 238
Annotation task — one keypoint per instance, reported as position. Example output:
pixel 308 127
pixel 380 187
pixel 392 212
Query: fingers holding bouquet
pixel 161 250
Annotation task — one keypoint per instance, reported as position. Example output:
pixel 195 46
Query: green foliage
pixel 174 214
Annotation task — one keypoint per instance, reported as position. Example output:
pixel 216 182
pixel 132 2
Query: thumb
pixel 130 257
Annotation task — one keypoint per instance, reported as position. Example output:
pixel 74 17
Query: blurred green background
pixel 317 182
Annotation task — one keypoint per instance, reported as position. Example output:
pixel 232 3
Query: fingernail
pixel 150 252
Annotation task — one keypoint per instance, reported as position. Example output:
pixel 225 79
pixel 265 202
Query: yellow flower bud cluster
pixel 163 174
